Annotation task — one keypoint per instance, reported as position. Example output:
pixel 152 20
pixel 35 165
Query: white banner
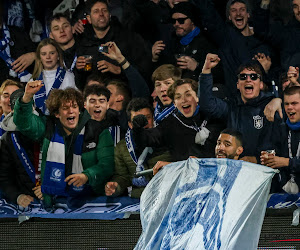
pixel 205 204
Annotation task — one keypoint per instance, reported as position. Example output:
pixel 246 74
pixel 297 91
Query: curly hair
pixel 58 97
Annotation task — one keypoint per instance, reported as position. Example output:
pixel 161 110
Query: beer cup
pixel 88 63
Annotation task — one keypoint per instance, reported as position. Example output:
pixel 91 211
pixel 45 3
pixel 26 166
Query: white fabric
pixel 205 204
pixel 49 77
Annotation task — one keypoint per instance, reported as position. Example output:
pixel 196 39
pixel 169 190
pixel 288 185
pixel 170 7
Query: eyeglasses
pixel 179 20
pixel 244 76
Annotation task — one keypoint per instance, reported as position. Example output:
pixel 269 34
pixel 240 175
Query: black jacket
pixel 180 139
pixel 234 48
pixel 198 48
pixel 14 179
pixel 131 45
pixel 248 118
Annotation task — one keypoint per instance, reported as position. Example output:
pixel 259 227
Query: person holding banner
pixel 78 156
pixel 49 68
pixel 130 159
pixel 245 112
pixel 229 144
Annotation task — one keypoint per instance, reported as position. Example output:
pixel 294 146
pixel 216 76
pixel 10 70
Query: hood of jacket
pixel 8 123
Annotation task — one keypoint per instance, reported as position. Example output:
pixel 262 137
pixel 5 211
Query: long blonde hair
pixel 38 66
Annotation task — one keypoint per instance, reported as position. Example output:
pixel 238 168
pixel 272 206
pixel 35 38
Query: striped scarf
pixel 40 97
pixel 115 133
pixel 24 76
pixel 54 176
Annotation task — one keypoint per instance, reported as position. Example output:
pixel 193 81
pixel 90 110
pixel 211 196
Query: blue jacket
pixel 248 118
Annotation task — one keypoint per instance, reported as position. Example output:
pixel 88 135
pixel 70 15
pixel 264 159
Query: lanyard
pixel 196 128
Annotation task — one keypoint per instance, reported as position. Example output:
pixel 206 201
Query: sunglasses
pixel 179 20
pixel 244 76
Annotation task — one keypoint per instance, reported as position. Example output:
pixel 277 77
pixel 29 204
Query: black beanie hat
pixel 187 9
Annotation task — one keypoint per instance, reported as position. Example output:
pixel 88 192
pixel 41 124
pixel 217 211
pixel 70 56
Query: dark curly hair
pixel 58 97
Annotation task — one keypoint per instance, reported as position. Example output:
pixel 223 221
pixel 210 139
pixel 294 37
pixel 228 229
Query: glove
pixel 139 121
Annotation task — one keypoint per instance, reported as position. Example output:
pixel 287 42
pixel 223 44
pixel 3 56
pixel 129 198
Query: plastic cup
pixel 88 62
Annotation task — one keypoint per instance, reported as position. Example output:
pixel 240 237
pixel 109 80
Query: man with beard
pixel 104 29
pixel 229 144
pixel 189 44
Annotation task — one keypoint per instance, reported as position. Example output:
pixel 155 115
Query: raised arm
pixel 137 84
pixel 28 123
pixel 211 105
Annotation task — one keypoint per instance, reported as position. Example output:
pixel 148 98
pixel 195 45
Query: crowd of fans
pixel 78 117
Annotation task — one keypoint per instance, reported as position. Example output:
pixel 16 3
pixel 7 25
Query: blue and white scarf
pixel 54 175
pixel 160 114
pixel 140 181
pixel 115 133
pixel 40 97
pixel 6 56
pixel 23 157
pixel 2 131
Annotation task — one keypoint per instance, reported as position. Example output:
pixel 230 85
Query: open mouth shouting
pixel 291 116
pixel 221 154
pixel 186 109
pixel 165 99
pixel 239 21
pixel 71 119
pixel 97 115
pixel 248 89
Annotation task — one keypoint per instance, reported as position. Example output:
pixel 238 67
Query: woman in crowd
pixel 49 68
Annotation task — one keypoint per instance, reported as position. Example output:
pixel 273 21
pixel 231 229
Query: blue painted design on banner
pixel 193 207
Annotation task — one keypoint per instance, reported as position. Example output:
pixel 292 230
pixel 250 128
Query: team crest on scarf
pixel 258 122
pixel 56 175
